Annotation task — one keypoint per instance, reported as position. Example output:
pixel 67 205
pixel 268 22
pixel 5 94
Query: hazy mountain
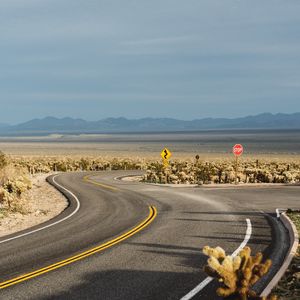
pixel 50 125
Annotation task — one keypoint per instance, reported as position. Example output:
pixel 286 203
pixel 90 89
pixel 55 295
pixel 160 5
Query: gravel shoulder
pixel 42 203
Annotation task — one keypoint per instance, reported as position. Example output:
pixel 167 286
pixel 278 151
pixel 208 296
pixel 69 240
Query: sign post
pixel 165 155
pixel 237 150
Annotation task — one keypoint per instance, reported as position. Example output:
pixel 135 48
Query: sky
pixel 139 58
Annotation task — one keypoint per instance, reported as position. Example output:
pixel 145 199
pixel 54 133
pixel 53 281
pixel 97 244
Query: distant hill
pixel 51 125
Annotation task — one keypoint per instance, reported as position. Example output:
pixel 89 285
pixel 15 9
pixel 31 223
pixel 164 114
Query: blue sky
pixel 159 58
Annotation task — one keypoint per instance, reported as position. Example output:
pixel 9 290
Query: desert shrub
pixel 3 160
pixel 204 173
pixel 224 172
pixel 65 164
pixel 179 171
pixel 13 183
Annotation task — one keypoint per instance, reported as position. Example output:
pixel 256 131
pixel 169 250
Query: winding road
pixel 128 240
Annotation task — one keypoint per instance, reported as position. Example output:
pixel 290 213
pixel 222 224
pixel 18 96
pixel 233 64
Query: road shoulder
pixel 43 202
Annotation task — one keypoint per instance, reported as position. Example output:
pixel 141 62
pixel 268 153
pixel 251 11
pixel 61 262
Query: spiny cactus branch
pixel 237 274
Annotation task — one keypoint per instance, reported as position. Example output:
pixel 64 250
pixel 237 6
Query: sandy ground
pixel 43 203
pixel 147 150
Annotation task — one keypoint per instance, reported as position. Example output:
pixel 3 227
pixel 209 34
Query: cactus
pixel 223 172
pixel 180 171
pixel 237 274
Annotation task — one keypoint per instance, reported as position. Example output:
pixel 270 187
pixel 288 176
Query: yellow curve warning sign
pixel 165 154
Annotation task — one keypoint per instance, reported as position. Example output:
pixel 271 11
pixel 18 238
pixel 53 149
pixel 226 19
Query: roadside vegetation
pixel 14 182
pixel 15 172
pixel 178 172
pixel 237 275
pixel 202 172
pixel 47 164
pixel 289 286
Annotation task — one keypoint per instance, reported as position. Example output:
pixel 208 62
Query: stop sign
pixel 238 150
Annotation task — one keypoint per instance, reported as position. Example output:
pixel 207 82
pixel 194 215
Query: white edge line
pixel 278 211
pixel 208 280
pixel 52 224
pixel 294 238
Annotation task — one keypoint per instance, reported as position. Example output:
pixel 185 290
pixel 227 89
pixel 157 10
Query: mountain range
pixel 52 125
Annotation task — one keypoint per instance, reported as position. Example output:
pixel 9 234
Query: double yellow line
pixel 82 255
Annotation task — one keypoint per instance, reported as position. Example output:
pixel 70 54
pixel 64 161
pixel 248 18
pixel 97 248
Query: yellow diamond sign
pixel 165 154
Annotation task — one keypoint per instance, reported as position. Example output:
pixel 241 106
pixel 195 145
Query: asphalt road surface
pixel 162 261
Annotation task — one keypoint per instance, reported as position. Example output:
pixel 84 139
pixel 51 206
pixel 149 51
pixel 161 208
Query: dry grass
pixel 14 182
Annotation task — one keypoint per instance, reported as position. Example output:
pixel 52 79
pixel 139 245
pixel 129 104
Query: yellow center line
pixel 109 187
pixel 72 259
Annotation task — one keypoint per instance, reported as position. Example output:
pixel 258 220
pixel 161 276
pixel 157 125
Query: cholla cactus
pixel 179 171
pixel 223 172
pixel 238 274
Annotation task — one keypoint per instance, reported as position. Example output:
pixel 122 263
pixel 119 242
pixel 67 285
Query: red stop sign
pixel 238 150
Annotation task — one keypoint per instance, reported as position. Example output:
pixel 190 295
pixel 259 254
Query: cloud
pixel 201 56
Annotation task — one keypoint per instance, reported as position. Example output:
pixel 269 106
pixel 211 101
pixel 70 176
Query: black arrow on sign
pixel 166 153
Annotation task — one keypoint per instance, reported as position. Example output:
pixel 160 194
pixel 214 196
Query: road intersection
pixel 161 261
